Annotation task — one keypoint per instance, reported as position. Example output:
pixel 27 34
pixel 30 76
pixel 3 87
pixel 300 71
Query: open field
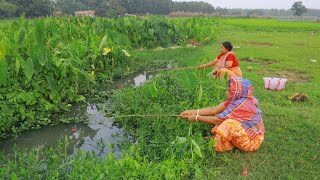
pixel 168 148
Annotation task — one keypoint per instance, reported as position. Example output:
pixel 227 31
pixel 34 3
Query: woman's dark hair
pixel 227 45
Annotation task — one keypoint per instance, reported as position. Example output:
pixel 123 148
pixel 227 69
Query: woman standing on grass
pixel 226 59
pixel 238 122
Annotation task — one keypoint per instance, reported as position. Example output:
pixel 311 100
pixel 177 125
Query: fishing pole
pixel 167 69
pixel 147 115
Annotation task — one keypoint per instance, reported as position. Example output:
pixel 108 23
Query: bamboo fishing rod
pixel 167 69
pixel 147 115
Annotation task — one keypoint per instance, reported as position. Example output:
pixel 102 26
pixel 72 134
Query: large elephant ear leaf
pixel 3 71
pixel 22 34
pixel 43 58
pixel 17 65
pixel 52 84
pixel 40 32
pixel 28 68
pixel 103 42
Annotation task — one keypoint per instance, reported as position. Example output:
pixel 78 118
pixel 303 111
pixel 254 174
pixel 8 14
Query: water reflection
pixel 92 137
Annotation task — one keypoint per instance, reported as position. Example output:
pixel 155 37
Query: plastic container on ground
pixel 274 83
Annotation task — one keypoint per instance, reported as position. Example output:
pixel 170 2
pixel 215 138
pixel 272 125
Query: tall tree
pixel 298 8
pixel 69 6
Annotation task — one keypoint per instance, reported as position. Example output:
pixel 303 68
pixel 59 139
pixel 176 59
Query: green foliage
pixel 7 9
pixel 192 7
pixel 52 163
pixel 267 25
pixel 163 147
pixel 3 71
pixel 52 58
pixel 33 8
pixel 147 6
pixel 167 94
pixel 28 68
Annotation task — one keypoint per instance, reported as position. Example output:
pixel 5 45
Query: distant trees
pixel 298 8
pixel 192 7
pixel 104 8
pixel 7 9
pixel 68 6
pixel 109 8
pixel 112 8
pixel 146 6
pixel 32 8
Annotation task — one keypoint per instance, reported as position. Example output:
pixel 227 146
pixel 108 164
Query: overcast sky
pixel 260 4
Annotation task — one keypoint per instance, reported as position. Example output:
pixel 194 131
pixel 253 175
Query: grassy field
pixel 164 147
pixel 291 142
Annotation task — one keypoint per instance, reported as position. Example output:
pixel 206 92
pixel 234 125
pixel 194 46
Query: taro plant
pixel 48 63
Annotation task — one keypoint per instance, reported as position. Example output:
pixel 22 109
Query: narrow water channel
pixel 93 136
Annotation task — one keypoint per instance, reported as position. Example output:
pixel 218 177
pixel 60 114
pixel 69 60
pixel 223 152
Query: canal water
pixel 92 136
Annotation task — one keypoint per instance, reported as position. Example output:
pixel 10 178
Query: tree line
pixel 104 8
pixel 112 8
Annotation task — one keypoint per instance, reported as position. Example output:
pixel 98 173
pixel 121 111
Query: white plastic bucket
pixel 274 83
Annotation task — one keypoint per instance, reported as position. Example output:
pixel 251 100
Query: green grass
pixel 4 23
pixel 291 146
pixel 269 25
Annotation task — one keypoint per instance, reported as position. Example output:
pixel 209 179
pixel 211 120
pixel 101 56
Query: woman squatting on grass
pixel 226 59
pixel 238 122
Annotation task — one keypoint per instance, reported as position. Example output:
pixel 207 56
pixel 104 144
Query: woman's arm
pixel 205 115
pixel 229 64
pixel 212 111
pixel 222 71
pixel 204 111
pixel 209 64
pixel 212 120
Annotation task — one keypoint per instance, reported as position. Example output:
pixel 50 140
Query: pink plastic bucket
pixel 273 83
